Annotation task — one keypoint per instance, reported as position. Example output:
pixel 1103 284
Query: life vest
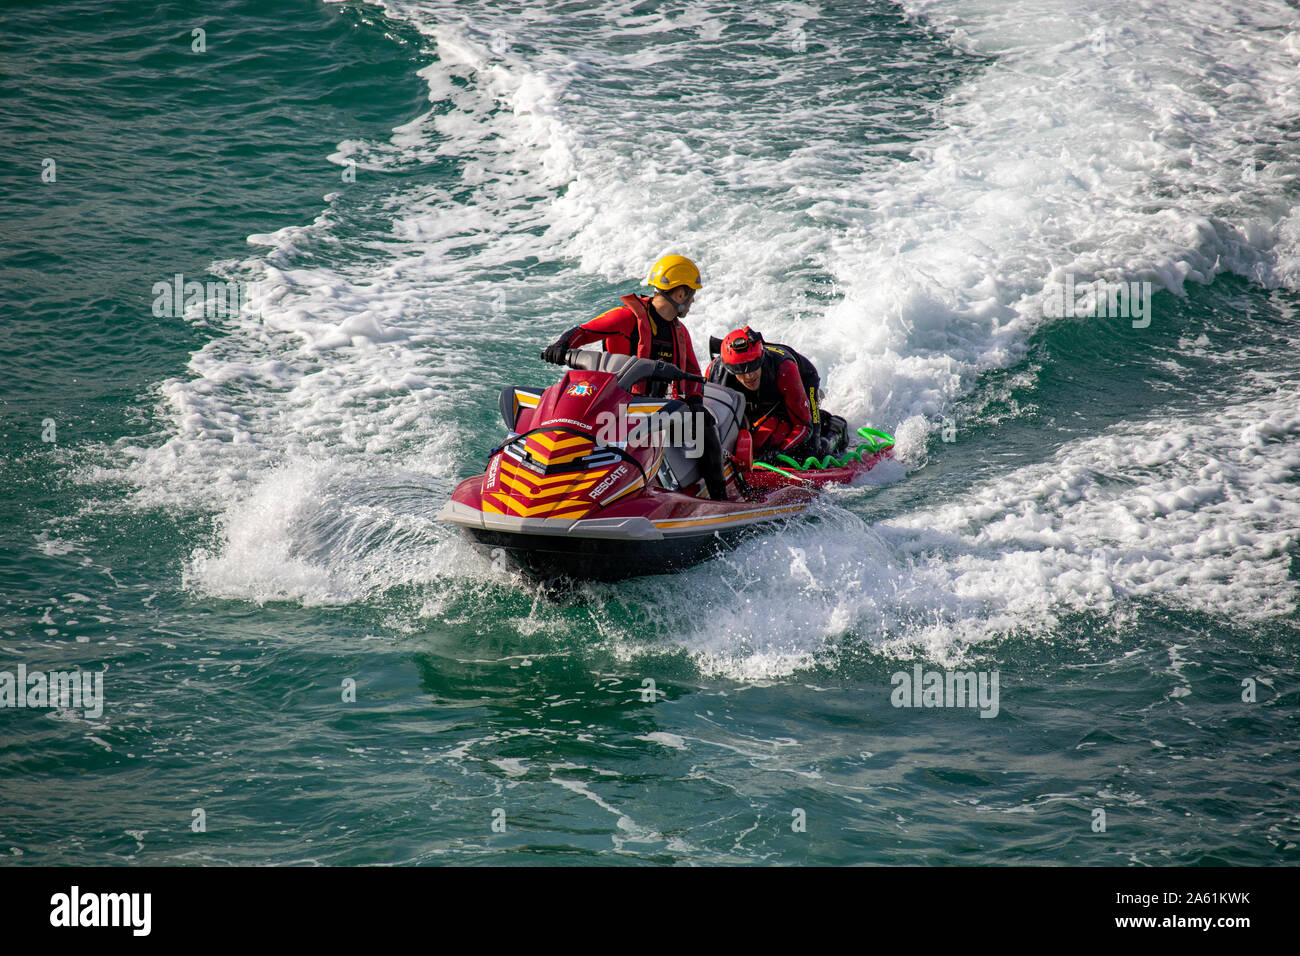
pixel 645 340
pixel 646 327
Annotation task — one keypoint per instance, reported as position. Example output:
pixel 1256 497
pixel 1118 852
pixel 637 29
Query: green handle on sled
pixel 779 471
pixel 876 441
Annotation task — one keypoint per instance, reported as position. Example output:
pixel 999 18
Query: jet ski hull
pixel 657 533
pixel 596 481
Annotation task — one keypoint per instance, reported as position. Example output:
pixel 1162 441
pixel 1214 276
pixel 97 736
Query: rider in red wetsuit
pixel 647 327
pixel 650 327
pixel 780 410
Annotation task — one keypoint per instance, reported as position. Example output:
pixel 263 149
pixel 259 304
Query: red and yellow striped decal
pixel 526 494
pixel 555 508
pixel 558 448
pixel 535 484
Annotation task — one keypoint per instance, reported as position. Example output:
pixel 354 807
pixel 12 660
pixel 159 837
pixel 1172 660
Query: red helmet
pixel 742 351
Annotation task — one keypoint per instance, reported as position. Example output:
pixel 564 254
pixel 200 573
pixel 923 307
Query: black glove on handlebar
pixel 556 352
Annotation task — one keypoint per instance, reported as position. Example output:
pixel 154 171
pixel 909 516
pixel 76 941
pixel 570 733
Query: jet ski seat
pixel 728 409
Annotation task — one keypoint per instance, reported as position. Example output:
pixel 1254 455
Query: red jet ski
pixel 595 482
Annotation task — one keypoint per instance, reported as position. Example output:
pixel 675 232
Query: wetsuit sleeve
pixel 798 411
pixel 769 434
pixel 615 327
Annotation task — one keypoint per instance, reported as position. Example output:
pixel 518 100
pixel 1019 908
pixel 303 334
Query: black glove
pixel 556 352
pixel 696 404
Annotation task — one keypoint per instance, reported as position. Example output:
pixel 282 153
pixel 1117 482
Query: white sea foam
pixel 755 140
pixel 1152 155
pixel 1196 514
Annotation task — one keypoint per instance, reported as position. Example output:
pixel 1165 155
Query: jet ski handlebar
pixel 667 372
pixel 627 368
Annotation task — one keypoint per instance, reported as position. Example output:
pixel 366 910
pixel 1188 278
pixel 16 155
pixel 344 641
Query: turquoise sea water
pixel 233 513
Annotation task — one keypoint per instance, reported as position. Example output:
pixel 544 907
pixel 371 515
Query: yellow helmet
pixel 672 271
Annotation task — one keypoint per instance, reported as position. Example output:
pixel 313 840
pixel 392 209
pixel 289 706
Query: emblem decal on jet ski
pixel 581 389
